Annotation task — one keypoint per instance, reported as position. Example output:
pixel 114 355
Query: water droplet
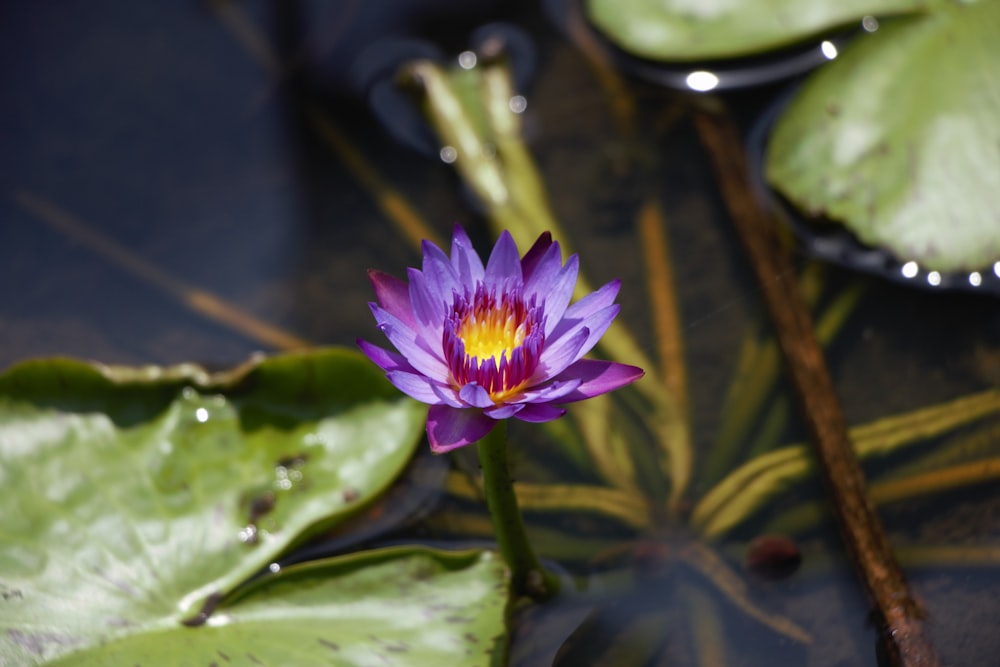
pixel 274 568
pixel 975 279
pixel 448 154
pixel 910 269
pixel 518 104
pixel 829 49
pixel 934 278
pixel 248 534
pixel 869 23
pixel 467 59
pixel 201 414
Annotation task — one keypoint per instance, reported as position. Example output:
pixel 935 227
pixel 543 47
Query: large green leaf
pixel 133 495
pixel 693 30
pixel 402 606
pixel 898 139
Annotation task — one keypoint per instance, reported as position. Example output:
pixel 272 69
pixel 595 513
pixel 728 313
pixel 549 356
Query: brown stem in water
pixel 902 627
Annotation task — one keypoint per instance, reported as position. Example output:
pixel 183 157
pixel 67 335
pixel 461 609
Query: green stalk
pixel 527 575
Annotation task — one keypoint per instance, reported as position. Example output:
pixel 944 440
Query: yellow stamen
pixel 491 335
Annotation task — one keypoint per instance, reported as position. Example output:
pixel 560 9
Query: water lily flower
pixel 483 344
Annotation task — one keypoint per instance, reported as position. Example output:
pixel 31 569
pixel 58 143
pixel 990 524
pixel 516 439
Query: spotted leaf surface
pixel 898 139
pixel 134 495
pixel 404 606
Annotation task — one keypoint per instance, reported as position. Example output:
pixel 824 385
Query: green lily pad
pixel 132 496
pixel 400 606
pixel 898 139
pixel 695 30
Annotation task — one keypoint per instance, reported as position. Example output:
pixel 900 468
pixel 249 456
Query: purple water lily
pixel 482 344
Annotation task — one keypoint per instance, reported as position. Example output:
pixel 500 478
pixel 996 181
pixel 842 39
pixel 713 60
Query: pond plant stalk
pixel 901 619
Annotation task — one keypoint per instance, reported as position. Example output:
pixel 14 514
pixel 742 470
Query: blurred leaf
pixel 897 138
pixel 134 495
pixel 400 606
pixel 692 30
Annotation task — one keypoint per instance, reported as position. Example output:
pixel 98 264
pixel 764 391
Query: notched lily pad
pixel 696 30
pixel 898 139
pixel 400 606
pixel 132 496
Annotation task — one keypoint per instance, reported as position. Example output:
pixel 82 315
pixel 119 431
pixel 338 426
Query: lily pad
pixel 897 139
pixel 134 495
pixel 400 606
pixel 697 30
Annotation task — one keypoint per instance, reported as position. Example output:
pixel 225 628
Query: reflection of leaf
pixel 133 495
pixel 898 138
pixel 402 606
pixel 691 30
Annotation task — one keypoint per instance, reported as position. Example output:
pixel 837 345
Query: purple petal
pixel 415 386
pixel 503 268
pixel 535 254
pixel 384 359
pixel 439 275
pixel 448 395
pixel 505 411
pixel 476 395
pixel 393 294
pixel 539 412
pixel 560 292
pixel 428 306
pixel 596 323
pixel 448 428
pixel 556 357
pixel 413 347
pixel 551 392
pixel 589 304
pixel 464 259
pixel 598 377
pixel 543 273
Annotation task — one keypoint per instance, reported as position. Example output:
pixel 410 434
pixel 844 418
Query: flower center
pixel 493 332
pixel 493 340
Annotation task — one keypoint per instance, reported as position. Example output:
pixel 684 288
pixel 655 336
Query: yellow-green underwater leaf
pixel 131 496
pixel 898 139
pixel 693 30
pixel 401 606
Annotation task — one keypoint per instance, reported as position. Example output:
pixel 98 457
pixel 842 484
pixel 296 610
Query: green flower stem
pixel 528 577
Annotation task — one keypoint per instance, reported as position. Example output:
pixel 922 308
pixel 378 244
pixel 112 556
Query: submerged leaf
pixel 692 30
pixel 133 496
pixel 898 139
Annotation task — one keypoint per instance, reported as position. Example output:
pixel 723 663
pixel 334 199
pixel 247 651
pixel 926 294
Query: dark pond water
pixel 149 157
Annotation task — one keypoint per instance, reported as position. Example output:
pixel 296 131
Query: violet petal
pixel 440 276
pixel 505 411
pixel 415 386
pixel 543 276
pixel 393 295
pixel 598 377
pixel 428 306
pixel 551 392
pixel 448 428
pixel 556 357
pixel 384 359
pixel 560 294
pixel 474 394
pixel 535 254
pixel 593 302
pixel 539 412
pixel 465 260
pixel 503 269
pixel 415 349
